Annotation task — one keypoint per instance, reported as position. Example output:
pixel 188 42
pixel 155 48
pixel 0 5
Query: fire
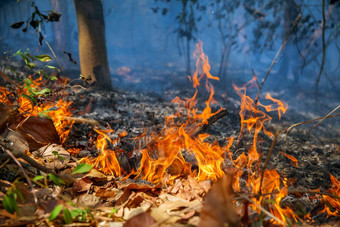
pixel 169 150
pixel 106 161
pixel 58 110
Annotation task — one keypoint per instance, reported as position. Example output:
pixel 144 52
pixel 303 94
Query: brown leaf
pixel 38 131
pixel 218 208
pixel 141 220
pixel 7 116
pixel 105 193
pixel 82 185
pixel 20 144
pixel 136 185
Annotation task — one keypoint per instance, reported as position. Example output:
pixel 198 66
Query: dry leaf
pixel 82 185
pixel 218 208
pixel 109 193
pixel 140 220
pixel 20 144
pixel 170 211
pixel 38 131
pixel 7 116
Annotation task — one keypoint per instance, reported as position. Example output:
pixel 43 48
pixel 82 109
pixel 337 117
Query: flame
pixel 58 110
pixel 106 161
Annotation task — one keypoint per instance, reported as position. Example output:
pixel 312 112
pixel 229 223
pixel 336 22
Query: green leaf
pixel 10 202
pixel 44 91
pixel 39 177
pixel 67 216
pixel 82 168
pixel 55 179
pixel 55 212
pixel 113 211
pixel 53 78
pixel 52 67
pixel 30 65
pixel 57 154
pixel 19 194
pixel 12 69
pixel 88 211
pixel 44 115
pixel 43 58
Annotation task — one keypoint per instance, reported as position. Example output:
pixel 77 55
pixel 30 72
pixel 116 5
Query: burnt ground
pixel 317 151
pixel 138 110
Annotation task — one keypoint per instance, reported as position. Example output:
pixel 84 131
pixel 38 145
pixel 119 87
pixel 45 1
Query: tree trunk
pixel 92 44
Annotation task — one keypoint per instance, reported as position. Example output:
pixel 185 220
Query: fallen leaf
pixel 141 220
pixel 136 185
pixel 55 156
pixel 113 193
pixel 89 200
pixel 20 144
pixel 218 208
pixel 7 116
pixel 82 185
pixel 169 211
pixel 38 131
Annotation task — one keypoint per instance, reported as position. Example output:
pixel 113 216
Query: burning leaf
pixel 218 208
pixel 293 160
pixel 141 220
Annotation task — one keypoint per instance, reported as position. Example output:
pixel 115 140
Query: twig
pixel 276 56
pixel 55 56
pixel 24 156
pixel 11 81
pixel 268 158
pixel 306 122
pixel 264 210
pixel 198 128
pixel 324 117
pixel 323 49
pixel 25 174
pixel 7 161
pixel 86 120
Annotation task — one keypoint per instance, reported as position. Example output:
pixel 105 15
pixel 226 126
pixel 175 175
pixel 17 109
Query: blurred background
pixel 150 42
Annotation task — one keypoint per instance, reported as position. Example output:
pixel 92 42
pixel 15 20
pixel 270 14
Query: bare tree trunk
pixel 92 44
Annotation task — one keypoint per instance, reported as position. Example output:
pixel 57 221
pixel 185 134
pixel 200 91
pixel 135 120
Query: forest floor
pixel 305 158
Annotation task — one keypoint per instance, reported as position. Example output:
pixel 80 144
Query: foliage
pixel 76 214
pixel 82 168
pixel 10 199
pixel 36 20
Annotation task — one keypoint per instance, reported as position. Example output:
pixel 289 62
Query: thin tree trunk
pixel 92 44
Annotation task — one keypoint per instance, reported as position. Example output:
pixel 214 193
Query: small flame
pixel 106 161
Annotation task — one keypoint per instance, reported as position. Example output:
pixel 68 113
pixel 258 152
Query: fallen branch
pixel 198 128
